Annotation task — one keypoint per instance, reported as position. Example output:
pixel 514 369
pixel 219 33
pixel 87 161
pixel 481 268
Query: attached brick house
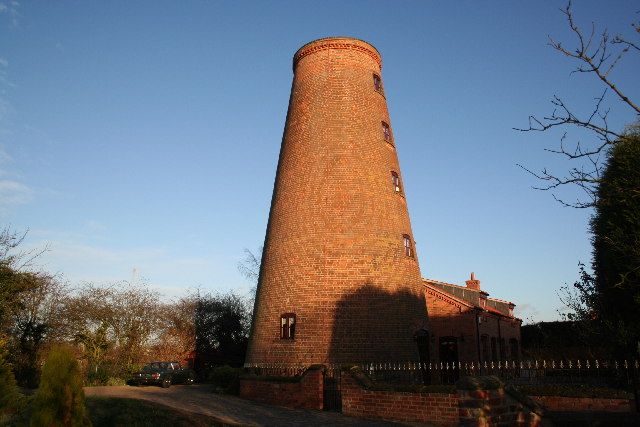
pixel 466 325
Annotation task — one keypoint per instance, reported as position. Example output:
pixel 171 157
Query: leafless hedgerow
pixel 596 55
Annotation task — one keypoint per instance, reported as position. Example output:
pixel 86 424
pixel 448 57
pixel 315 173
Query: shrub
pixel 99 376
pixel 11 400
pixel 115 381
pixel 60 398
pixel 111 374
pixel 225 377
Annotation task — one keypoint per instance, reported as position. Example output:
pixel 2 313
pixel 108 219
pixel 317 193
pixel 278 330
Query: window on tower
pixel 287 326
pixel 386 132
pixel 377 83
pixel 395 179
pixel 408 248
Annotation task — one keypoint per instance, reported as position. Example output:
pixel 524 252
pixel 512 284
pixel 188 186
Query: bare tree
pixel 122 318
pixel 35 324
pixel 17 274
pixel 596 54
pixel 249 267
pixel 176 338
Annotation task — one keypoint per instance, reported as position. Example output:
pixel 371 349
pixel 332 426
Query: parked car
pixel 164 374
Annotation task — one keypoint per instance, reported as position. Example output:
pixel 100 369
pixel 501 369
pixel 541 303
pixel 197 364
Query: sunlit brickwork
pixel 334 253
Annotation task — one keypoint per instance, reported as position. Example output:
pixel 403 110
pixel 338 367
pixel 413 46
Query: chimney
pixel 473 283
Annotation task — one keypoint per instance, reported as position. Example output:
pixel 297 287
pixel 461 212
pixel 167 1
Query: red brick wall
pixel 448 318
pixel 434 408
pixel 333 253
pixel 561 403
pixel 497 326
pixel 306 393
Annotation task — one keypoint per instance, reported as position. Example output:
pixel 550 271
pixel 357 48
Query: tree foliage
pixel 176 339
pixel 15 278
pixel 11 400
pixel 615 227
pixel 30 302
pixel 221 327
pixel 35 324
pixel 112 329
pixel 114 325
pixel 607 302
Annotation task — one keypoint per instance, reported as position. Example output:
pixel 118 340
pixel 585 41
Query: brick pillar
pixel 484 402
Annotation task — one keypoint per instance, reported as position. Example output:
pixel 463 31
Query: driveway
pixel 230 409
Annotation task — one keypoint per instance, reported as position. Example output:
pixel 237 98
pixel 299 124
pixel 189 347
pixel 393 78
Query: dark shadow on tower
pixel 371 326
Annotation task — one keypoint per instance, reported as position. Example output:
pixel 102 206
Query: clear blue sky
pixel 146 134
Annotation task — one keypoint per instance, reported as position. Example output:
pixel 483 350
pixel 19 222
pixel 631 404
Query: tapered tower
pixel 339 280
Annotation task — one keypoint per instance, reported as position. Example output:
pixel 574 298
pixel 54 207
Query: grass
pixel 574 391
pixel 111 411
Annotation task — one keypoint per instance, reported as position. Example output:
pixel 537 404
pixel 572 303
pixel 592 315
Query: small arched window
pixel 377 83
pixel 408 248
pixel 386 133
pixel 395 179
pixel 287 326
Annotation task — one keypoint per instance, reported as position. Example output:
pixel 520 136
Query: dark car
pixel 164 374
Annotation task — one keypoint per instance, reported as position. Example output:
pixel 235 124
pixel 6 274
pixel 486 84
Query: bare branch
pixel 593 54
pixel 596 60
pixel 249 267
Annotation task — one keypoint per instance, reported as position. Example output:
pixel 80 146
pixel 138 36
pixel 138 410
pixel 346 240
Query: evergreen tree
pixel 59 400
pixel 11 400
pixel 221 328
pixel 615 227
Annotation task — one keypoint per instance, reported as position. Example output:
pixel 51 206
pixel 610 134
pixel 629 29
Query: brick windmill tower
pixel 339 280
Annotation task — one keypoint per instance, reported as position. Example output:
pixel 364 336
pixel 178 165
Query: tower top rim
pixel 341 42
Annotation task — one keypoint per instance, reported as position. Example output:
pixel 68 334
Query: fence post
pixel 635 378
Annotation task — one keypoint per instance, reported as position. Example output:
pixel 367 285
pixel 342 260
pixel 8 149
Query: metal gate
pixel 332 395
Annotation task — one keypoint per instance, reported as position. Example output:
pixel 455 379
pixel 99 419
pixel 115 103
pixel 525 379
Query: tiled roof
pixel 448 296
pixel 472 297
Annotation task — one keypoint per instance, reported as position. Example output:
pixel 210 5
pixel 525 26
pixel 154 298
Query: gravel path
pixel 230 409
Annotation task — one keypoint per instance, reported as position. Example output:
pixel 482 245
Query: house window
pixel 494 350
pixel 408 249
pixel 287 326
pixel 395 179
pixel 377 83
pixel 386 132
pixel 513 349
pixel 484 343
pixel 503 349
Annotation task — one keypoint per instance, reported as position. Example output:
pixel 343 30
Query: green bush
pixel 96 377
pixel 225 377
pixel 59 401
pixel 111 374
pixel 11 400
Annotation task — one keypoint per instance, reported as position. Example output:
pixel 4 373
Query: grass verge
pixel 112 411
pixel 574 391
